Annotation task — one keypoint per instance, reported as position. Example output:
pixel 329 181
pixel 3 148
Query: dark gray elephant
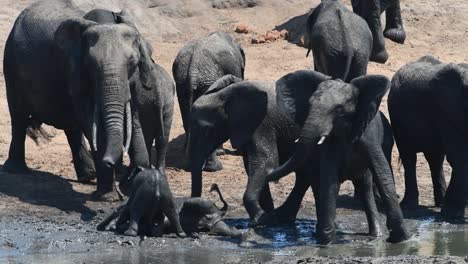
pixel 340 40
pixel 74 74
pixel 371 10
pixel 342 137
pixel 150 200
pixel 155 102
pixel 427 106
pixel 195 215
pixel 198 65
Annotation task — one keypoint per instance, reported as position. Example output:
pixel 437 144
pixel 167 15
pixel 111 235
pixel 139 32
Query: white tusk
pixel 94 128
pixel 128 114
pixel 297 140
pixel 322 139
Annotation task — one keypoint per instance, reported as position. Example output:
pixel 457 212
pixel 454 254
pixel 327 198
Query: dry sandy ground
pixel 436 27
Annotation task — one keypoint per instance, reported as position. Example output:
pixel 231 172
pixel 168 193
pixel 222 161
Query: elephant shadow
pixel 296 28
pixel 45 189
pixel 175 156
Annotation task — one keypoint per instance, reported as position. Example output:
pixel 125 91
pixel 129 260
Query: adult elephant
pixel 340 40
pixel 197 66
pixel 154 100
pixel 371 10
pixel 74 74
pixel 342 137
pixel 427 107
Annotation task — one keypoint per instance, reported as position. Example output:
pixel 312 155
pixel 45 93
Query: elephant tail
pixel 35 131
pixel 225 207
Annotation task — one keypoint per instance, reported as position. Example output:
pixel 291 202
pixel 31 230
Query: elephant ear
pixel 371 90
pixel 146 63
pixel 294 90
pixel 222 83
pixel 311 20
pixel 67 37
pixel 245 109
pixel 449 90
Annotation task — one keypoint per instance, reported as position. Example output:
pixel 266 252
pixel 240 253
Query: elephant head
pixel 230 109
pixel 99 61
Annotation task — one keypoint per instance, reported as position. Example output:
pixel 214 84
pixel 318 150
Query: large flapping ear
pixel 222 83
pixel 67 37
pixel 450 96
pixel 294 90
pixel 371 90
pixel 246 107
pixel 311 20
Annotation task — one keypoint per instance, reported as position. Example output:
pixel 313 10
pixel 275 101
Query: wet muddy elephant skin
pixel 150 200
pixel 371 10
pixel 340 40
pixel 427 107
pixel 58 71
pixel 198 65
pixel 343 136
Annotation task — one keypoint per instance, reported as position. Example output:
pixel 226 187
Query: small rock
pixel 258 39
pixel 130 243
pixel 242 29
pixel 272 36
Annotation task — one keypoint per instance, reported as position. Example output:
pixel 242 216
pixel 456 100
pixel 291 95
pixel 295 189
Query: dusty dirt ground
pixel 51 195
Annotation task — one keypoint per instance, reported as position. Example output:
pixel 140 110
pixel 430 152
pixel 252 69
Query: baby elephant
pixel 149 201
pixel 197 214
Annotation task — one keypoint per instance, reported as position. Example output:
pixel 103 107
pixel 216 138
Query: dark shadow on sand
pixel 296 27
pixel 44 188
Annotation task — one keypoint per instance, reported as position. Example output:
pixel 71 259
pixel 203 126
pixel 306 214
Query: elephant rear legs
pixel 16 158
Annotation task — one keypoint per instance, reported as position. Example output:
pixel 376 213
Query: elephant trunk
pixel 114 85
pixel 311 133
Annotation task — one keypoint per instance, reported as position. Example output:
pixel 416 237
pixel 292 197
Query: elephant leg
pixel 436 161
pixel 138 151
pixel 222 229
pixel 138 205
pixel 168 207
pixel 379 53
pixel 213 163
pixel 16 160
pixel 266 201
pixel 454 206
pixel 410 200
pixel 394 24
pixel 115 213
pixel 121 223
pixel 82 159
pixel 104 180
pixel 162 142
pixel 368 200
pixel 287 212
pixel 382 175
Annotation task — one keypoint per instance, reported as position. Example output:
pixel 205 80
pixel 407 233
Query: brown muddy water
pixel 35 240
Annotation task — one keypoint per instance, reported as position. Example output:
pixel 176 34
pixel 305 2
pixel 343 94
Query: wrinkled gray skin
pixel 74 74
pixel 342 137
pixel 340 40
pixel 371 10
pixel 149 201
pixel 427 106
pixel 196 214
pixel 197 66
pixel 155 104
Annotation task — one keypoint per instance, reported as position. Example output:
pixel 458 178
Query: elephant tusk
pixel 128 120
pixel 94 128
pixel 297 140
pixel 322 139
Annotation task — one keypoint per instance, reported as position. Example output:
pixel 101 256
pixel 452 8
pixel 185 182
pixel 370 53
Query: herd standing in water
pixel 92 75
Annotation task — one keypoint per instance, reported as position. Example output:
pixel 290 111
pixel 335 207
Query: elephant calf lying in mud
pixel 153 205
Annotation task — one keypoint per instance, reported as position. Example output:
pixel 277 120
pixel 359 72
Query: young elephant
pixel 427 106
pixel 153 96
pixel 371 10
pixel 198 65
pixel 342 137
pixel 340 40
pixel 150 200
pixel 195 215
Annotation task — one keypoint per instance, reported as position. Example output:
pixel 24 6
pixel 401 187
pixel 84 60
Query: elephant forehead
pixel 107 30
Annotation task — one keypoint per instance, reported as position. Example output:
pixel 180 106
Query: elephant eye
pixel 92 39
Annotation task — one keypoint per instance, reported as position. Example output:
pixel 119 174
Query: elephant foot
pixel 181 234
pixel 326 237
pixel 398 235
pixel 379 56
pixel 453 214
pixel 131 232
pixel 213 165
pixel 409 203
pixel 397 34
pixel 86 177
pixel 16 167
pixel 105 196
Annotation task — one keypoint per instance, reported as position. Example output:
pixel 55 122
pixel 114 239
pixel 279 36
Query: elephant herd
pixel 91 74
